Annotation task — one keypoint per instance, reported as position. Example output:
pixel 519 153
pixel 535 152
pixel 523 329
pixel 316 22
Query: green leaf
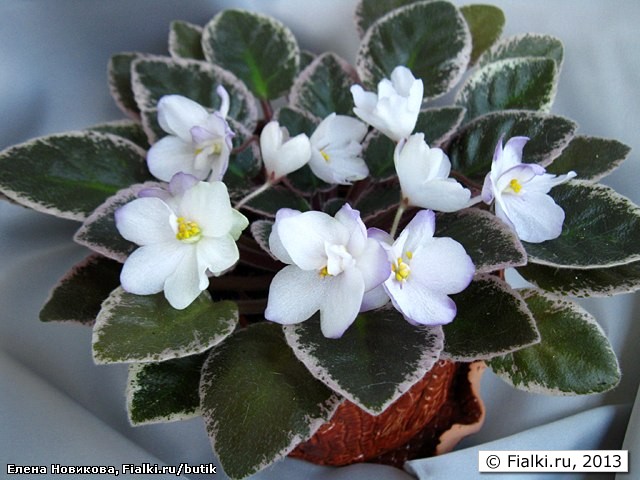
pixel 573 356
pixel 99 232
pixel 306 57
pixel 367 365
pixel 185 40
pixel 323 87
pixel 430 38
pixel 368 11
pixel 245 164
pixel 275 198
pixel 145 328
pixel 69 175
pixel 515 83
pixel 471 149
pixel 485 23
pixel 525 45
pixel 492 320
pixel 154 77
pixel 259 401
pixel 490 243
pixel 438 124
pixel 379 199
pixel 592 282
pixel 119 72
pixel 165 391
pixel 261 231
pixel 127 129
pixel 260 50
pixel 377 152
pixel 78 295
pixel 601 229
pixel 590 157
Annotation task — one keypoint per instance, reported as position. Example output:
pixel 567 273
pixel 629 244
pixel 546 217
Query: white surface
pixel 56 406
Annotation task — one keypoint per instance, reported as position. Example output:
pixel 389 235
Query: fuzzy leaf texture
pixel 430 38
pixel 573 357
pixel 165 391
pixel 259 50
pixel 601 229
pixel 258 399
pixel 145 328
pixel 502 324
pixel 365 365
pixel 69 175
pixel 77 297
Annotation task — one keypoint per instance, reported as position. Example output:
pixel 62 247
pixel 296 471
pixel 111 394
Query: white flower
pixel 331 265
pixel 336 148
pixel 424 271
pixel 280 154
pixel 192 231
pixel 199 143
pixel 394 110
pixel 520 192
pixel 423 173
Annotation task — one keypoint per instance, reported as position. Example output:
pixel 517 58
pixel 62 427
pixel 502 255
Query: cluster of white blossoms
pixel 334 264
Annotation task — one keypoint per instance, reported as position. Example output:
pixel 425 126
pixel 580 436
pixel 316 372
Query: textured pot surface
pixel 410 428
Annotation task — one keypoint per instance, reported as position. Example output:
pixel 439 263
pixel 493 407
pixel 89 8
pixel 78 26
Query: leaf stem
pixel 396 220
pixel 267 110
pixel 253 195
pixel 247 143
pixel 466 180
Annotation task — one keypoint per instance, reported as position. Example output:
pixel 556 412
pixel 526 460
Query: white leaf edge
pixel 329 408
pixel 24 200
pixel 457 65
pixel 133 386
pixel 427 360
pixel 535 387
pixel 523 308
pixel 486 74
pixel 192 348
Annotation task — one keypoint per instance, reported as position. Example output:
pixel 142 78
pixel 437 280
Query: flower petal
pixel 341 168
pixel 294 154
pixel 351 220
pixel 275 244
pixel 216 254
pixel 374 264
pixel 177 114
pixel 341 302
pixel 304 236
pixel 420 306
pixel 146 221
pixel 442 195
pixel 544 183
pixel 148 267
pixel 419 230
pixel 442 265
pixel 338 130
pixel 534 215
pixel 374 298
pixel 184 285
pixel 209 206
pixel 171 155
pixel 294 295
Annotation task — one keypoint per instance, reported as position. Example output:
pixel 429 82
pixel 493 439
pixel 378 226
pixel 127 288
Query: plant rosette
pixel 278 234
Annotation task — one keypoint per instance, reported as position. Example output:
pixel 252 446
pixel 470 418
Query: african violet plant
pixel 214 216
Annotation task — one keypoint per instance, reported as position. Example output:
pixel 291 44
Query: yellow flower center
pixel 515 185
pixel 401 268
pixel 188 231
pixel 325 155
pixel 324 272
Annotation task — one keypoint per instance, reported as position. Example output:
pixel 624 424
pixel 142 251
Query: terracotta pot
pixel 429 419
